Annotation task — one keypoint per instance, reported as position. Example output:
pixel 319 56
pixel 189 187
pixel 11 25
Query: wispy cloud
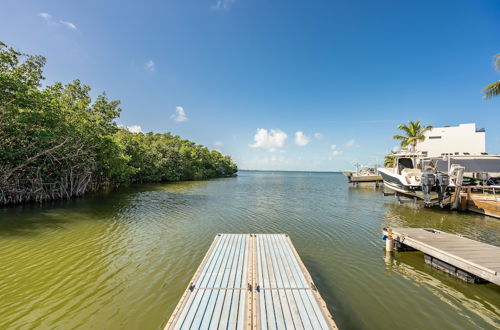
pixel 222 4
pixel 150 65
pixel 270 140
pixel 49 19
pixel 218 144
pixel 335 152
pixel 319 136
pixel 351 143
pixel 69 25
pixel 301 139
pixel 180 114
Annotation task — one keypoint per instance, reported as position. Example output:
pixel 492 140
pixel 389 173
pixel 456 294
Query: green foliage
pixel 164 157
pixel 389 160
pixel 55 142
pixel 414 132
pixel 493 89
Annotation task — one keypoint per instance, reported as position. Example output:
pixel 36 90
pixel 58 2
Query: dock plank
pixel 295 302
pixel 251 281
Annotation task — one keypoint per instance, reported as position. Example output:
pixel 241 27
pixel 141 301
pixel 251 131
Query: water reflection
pixel 462 299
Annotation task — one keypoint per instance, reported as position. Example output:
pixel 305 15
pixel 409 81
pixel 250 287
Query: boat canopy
pixel 471 164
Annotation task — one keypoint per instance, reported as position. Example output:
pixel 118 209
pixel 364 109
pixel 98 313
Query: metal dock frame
pixel 270 289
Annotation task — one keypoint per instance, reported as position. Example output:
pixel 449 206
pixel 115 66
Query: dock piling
pixel 389 241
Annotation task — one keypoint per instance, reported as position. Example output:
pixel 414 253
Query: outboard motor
pixel 443 181
pixel 428 181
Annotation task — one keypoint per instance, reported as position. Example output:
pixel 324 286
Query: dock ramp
pixel 251 281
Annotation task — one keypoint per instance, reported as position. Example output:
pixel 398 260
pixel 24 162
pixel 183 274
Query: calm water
pixel 122 259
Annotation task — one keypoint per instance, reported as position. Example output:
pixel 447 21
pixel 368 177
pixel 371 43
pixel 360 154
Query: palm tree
pixel 493 89
pixel 389 160
pixel 414 133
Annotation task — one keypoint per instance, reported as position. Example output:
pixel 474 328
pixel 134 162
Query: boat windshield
pixel 404 163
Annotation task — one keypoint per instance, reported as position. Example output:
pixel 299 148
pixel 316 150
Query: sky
pixel 277 85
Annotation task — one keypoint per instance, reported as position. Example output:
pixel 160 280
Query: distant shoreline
pixel 247 170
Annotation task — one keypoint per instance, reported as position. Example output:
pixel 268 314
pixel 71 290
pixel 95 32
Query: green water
pixel 121 260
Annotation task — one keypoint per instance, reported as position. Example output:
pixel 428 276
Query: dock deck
pixel 463 254
pixel 251 281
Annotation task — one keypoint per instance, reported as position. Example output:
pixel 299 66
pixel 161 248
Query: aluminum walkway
pixel 479 259
pixel 251 281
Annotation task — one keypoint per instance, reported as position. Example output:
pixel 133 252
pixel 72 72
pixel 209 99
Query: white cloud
pixel 269 139
pixel 180 114
pixel 50 21
pixel 222 4
pixel 47 17
pixel 396 148
pixel 336 152
pixel 301 139
pixel 134 129
pixel 218 144
pixel 318 136
pixel 150 65
pixel 350 143
pixel 69 25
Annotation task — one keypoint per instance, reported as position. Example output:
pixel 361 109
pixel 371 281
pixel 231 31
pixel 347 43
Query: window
pixel 434 137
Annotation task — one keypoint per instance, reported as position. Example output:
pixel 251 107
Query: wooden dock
pixel 483 203
pixel 251 281
pixel 465 258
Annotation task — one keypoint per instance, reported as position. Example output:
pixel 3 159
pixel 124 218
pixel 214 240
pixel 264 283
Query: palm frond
pixel 404 128
pixel 492 90
pixel 389 160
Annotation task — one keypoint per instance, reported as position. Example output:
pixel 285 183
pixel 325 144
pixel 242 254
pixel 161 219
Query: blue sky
pixel 244 76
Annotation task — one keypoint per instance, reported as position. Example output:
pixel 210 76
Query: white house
pixel 463 139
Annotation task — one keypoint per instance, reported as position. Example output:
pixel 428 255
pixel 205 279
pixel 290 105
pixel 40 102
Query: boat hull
pixel 355 177
pixel 394 183
pixel 366 178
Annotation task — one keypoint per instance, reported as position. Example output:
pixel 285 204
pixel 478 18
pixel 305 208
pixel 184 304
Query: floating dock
pixel 467 259
pixel 251 281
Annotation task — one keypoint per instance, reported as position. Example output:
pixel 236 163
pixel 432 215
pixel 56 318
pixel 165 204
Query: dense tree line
pixel 56 142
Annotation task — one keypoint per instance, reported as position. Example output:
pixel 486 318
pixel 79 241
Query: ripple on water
pixel 123 259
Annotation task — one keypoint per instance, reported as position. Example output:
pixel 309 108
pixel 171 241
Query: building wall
pixel 462 139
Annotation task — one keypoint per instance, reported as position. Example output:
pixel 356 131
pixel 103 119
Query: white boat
pixel 417 177
pixel 363 175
